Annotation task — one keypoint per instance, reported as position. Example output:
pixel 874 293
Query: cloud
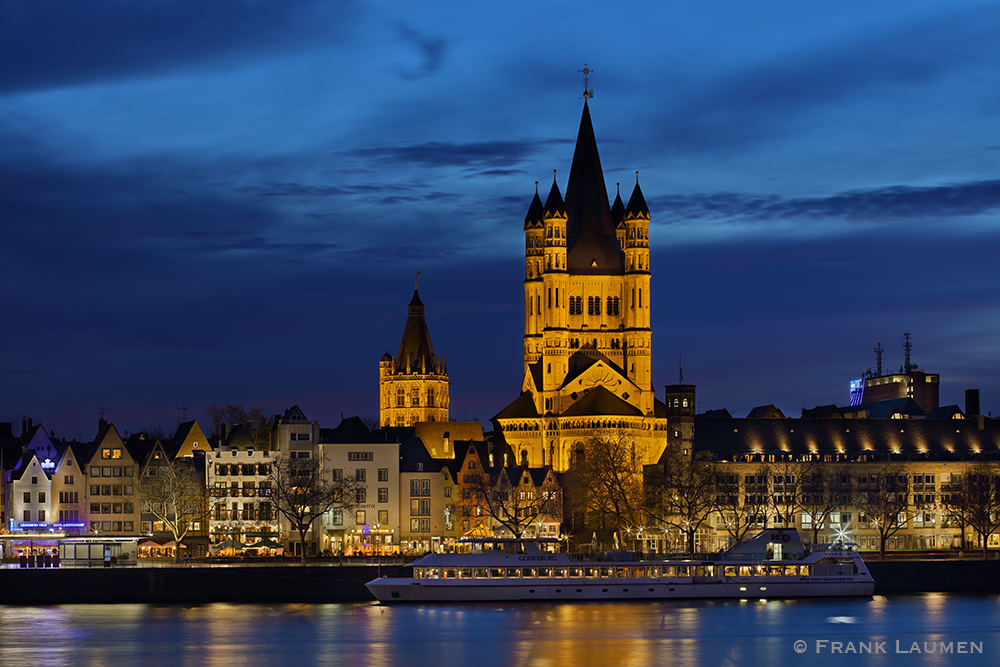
pixel 878 205
pixel 45 43
pixel 502 155
pixel 431 50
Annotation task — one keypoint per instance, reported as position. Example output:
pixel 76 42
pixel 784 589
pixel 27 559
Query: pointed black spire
pixel 415 350
pixel 637 203
pixel 586 192
pixel 554 202
pixel 535 212
pixel 618 208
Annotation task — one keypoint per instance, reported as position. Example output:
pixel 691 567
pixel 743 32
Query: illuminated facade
pixel 587 334
pixel 413 387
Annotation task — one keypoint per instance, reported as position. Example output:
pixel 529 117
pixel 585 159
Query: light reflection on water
pixel 694 633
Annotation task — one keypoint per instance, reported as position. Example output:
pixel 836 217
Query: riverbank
pixel 325 583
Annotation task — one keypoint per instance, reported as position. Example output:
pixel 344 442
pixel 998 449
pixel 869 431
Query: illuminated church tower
pixel 587 328
pixel 413 387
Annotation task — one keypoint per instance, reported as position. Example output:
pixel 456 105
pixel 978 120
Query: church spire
pixel 586 192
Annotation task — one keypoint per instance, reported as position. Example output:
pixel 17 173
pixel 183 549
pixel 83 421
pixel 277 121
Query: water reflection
pixel 651 633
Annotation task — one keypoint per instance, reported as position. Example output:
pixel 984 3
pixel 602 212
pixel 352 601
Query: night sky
pixel 212 202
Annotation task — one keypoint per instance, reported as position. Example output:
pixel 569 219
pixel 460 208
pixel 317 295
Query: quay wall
pixel 197 584
pixel 319 583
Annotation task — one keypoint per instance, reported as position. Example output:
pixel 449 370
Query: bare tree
pixel 606 485
pixel 301 493
pixel 743 502
pixel 978 500
pixel 174 492
pixel 231 413
pixel 884 494
pixel 825 488
pixel 509 497
pixel 681 493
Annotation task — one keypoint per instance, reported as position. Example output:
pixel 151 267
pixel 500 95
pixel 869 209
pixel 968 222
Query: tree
pixel 681 493
pixel 743 503
pixel 884 493
pixel 230 413
pixel 509 497
pixel 824 488
pixel 978 500
pixel 301 493
pixel 174 492
pixel 606 485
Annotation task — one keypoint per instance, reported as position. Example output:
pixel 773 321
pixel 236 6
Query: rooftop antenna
pixel 878 359
pixel 680 370
pixel 184 411
pixel 907 349
pixel 587 92
pixel 102 410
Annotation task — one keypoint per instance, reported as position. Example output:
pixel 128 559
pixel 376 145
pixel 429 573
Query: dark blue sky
pixel 224 202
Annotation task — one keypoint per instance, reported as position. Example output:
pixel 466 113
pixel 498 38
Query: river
pixel 876 631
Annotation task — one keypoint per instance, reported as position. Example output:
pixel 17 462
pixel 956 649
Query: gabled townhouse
pixel 113 507
pixel 427 499
pixel 69 490
pixel 29 494
pixel 471 460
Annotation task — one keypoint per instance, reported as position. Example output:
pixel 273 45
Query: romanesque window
pixel 576 305
pixel 593 305
pixel 612 305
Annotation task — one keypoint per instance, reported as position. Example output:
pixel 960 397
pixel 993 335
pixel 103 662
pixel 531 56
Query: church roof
pixel 535 212
pixel 554 202
pixel 415 350
pixel 593 247
pixel 618 210
pixel 637 203
pixel 522 407
pixel 599 402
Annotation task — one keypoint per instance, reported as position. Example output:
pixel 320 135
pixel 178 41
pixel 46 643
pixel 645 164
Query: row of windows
pixel 111 508
pixel 414 400
pixel 360 517
pixel 605 572
pixel 112 526
pixel 242 469
pixel 111 471
pixel 576 305
pixel 420 507
pixel 420 525
pixel 111 490
pixel 249 512
pixel 360 474
pixel 41 496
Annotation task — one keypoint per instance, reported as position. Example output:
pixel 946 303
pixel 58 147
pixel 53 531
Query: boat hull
pixel 410 590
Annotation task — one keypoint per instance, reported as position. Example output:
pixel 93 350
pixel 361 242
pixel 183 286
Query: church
pixel 587 334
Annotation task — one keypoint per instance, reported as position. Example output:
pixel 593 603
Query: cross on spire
pixel 587 92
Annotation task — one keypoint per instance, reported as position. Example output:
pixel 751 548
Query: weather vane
pixel 415 277
pixel 587 92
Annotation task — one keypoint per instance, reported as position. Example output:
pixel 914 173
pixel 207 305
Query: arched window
pixel 472 465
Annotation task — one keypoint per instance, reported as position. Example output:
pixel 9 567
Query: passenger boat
pixel 772 564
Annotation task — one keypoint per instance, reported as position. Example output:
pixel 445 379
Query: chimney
pixel 971 402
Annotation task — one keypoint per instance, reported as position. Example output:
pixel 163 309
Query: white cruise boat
pixel 772 564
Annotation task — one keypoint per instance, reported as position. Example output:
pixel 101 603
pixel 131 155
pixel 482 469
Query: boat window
pixel 482 573
pixel 513 573
pixel 683 571
pixel 699 571
pixel 774 571
pixel 559 572
pixel 729 570
pixel 670 571
pixel 760 571
pixel 465 573
pixel 621 572
pixel 654 572
pixel 528 573
pixel 544 572
pixel 576 571
pixel 804 570
pixel 789 570
pixel 607 571
pixel 710 570
pixel 450 573
pixel 433 573
pixel 496 573
pixel 638 572
pixel 418 573
pixel 744 570
pixel 591 571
